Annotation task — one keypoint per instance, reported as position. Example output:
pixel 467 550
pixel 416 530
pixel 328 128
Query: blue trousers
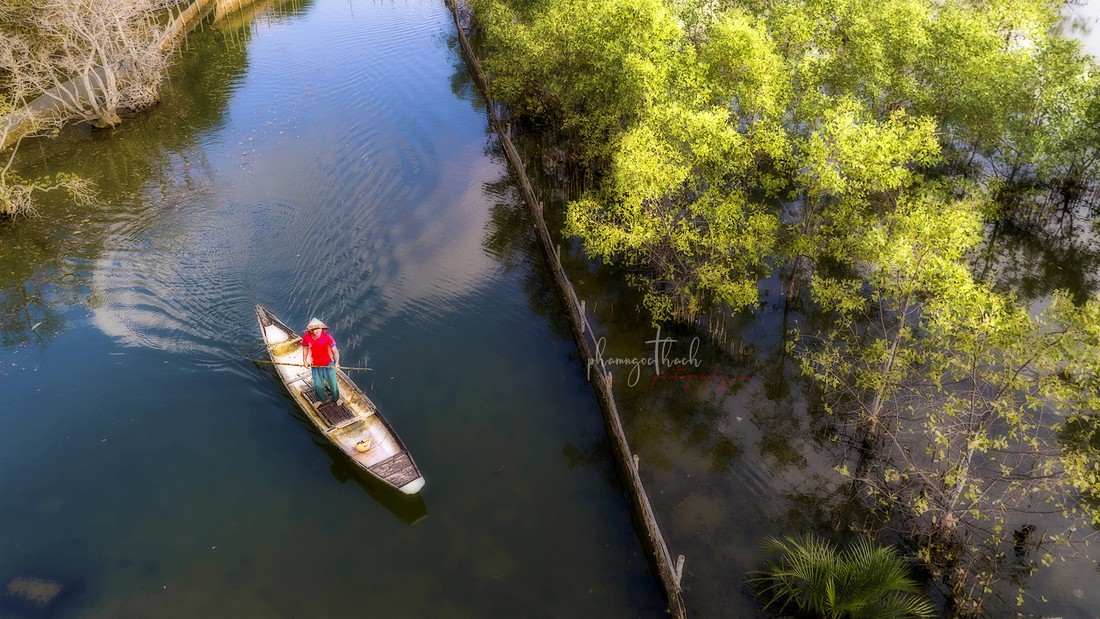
pixel 324 377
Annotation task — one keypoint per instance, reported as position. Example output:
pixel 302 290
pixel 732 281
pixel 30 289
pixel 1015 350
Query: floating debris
pixel 32 594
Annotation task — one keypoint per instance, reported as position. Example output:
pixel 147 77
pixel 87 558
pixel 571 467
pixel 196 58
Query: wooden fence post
pixel 668 574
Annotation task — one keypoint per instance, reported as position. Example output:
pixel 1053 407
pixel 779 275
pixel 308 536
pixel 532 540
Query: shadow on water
pixel 1036 260
pixel 463 84
pixel 410 509
pixel 510 239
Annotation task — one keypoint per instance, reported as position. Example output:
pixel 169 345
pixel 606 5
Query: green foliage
pixel 863 581
pixel 669 207
pixel 1077 380
pixel 861 147
pixel 851 155
pixel 900 260
pixel 742 68
pixel 951 393
pixel 589 65
pixel 842 102
pixel 1081 458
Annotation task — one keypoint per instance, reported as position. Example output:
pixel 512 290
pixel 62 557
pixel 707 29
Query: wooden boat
pixel 352 426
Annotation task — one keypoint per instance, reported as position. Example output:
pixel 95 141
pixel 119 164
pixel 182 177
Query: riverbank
pixel 60 101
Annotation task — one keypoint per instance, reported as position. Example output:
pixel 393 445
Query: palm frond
pixel 863 581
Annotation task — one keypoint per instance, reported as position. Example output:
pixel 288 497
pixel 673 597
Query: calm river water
pixel 329 160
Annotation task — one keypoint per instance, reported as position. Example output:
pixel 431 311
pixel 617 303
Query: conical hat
pixel 315 323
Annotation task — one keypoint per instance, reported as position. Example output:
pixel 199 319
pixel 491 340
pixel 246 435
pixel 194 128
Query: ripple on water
pixel 327 192
pixel 171 280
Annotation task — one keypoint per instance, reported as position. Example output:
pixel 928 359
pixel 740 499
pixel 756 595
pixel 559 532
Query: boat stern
pixel 413 486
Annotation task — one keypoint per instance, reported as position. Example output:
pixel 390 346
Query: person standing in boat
pixel 320 354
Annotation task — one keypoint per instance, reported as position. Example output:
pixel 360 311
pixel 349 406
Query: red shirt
pixel 320 347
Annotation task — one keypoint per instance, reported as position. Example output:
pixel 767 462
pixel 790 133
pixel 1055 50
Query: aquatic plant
pixel 814 578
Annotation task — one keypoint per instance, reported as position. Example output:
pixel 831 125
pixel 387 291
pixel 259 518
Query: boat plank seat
pixel 398 470
pixel 331 413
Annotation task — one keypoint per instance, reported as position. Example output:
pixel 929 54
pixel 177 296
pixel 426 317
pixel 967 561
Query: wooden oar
pixel 302 365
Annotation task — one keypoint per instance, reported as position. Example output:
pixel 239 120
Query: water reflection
pixel 342 178
pixel 728 463
pixel 1083 23
pixel 727 466
pixel 49 262
pixel 28 297
pixel 335 167
pixel 510 239
pixel 1034 261
pixel 728 450
pixel 256 14
pixel 463 84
